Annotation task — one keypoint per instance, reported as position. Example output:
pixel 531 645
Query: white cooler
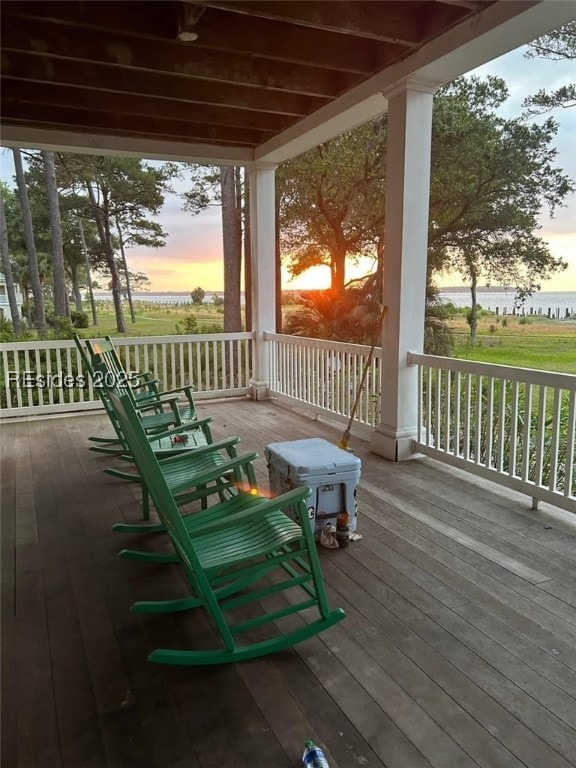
pixel 332 473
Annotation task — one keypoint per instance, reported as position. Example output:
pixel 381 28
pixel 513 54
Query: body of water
pixel 541 301
pixel 160 298
pixel 488 299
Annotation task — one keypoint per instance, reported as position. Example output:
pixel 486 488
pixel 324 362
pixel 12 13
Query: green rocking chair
pixel 191 475
pixel 165 435
pixel 148 386
pixel 230 561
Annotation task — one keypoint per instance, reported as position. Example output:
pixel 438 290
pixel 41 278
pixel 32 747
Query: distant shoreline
pixel 451 289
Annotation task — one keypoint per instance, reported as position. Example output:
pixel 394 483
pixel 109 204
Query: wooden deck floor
pixel 459 648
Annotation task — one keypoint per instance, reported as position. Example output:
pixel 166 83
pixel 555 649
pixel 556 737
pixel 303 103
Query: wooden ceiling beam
pixel 123 50
pixel 222 30
pixel 101 122
pixel 109 79
pixel 471 5
pixel 154 18
pixel 38 129
pixel 219 29
pixel 59 96
pixel 63 139
pixel 393 21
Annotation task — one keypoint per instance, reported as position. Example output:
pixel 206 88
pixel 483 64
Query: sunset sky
pixel 193 253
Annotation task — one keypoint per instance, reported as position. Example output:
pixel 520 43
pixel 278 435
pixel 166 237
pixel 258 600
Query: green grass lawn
pixel 152 319
pixel 549 345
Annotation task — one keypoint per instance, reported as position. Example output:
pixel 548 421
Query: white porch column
pixel 407 209
pixel 262 231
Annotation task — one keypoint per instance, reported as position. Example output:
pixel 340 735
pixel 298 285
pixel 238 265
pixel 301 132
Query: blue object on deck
pixel 332 473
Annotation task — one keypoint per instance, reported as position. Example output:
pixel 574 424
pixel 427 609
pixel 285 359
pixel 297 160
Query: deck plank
pixel 459 647
pixel 487 565
pixel 8 676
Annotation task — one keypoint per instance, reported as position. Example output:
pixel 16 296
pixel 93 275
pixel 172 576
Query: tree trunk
pixel 58 272
pixel 126 273
pixel 39 311
pixel 103 225
pixel 116 285
pixel 7 270
pixel 232 252
pixel 338 271
pixel 473 316
pixel 76 287
pixel 88 274
pixel 247 256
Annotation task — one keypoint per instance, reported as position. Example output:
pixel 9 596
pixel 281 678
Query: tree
pixel 197 296
pixel 58 272
pixel 78 246
pixel 122 190
pixel 36 283
pixel 7 269
pixel 124 267
pixel 558 45
pixel 136 230
pixel 225 186
pixel 88 275
pixel 232 249
pixel 60 259
pixel 332 201
pixel 491 177
pixel 138 280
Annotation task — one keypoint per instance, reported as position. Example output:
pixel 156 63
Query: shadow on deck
pixel 459 648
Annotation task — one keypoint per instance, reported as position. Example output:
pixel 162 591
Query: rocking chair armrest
pixel 149 383
pixel 158 401
pixel 187 388
pixel 277 504
pixel 203 450
pixel 135 375
pixel 187 426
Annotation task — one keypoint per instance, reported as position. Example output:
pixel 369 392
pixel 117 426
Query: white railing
pixel 48 377
pixel 323 377
pixel 515 426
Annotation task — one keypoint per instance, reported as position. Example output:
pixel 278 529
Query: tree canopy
pixel 490 179
pixel 197 296
pixel 83 212
pixel 119 191
pixel 331 202
pixel 559 45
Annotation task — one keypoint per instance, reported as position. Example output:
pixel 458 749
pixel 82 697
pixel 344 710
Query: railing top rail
pixel 16 346
pixel 184 337
pixel 336 346
pixel 508 372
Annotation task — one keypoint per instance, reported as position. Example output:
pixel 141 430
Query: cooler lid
pixel 313 456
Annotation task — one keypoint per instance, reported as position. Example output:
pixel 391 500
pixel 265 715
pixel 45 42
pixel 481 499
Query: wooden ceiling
pixel 254 69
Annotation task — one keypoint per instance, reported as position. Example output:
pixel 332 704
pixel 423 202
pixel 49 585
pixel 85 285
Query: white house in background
pixel 4 303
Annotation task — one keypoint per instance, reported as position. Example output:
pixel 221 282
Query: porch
pixel 459 648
